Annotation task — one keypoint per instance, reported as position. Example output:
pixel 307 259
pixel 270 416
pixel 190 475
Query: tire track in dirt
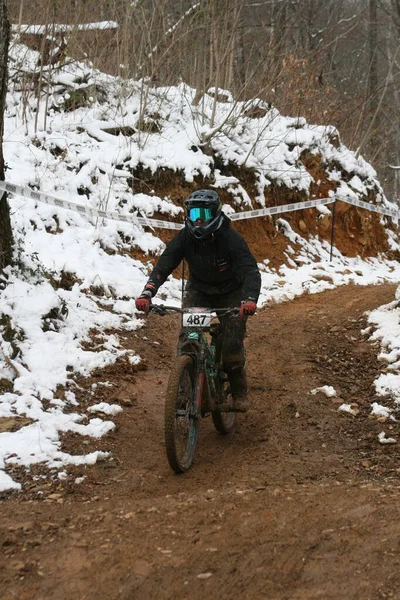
pixel 298 502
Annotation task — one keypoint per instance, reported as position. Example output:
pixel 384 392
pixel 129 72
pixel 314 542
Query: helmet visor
pixel 204 214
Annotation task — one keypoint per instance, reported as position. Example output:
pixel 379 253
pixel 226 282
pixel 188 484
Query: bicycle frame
pixel 197 386
pixel 206 355
pixel 193 342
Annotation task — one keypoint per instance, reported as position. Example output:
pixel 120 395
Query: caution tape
pixel 275 210
pixel 377 209
pixel 27 192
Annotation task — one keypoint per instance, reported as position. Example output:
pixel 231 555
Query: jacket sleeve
pixel 168 261
pixel 247 270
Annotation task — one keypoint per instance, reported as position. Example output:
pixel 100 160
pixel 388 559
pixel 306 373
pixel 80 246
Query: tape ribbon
pixel 27 192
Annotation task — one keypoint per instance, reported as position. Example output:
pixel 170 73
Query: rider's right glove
pixel 143 302
pixel 247 308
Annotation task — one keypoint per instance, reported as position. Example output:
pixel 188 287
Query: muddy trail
pixel 299 502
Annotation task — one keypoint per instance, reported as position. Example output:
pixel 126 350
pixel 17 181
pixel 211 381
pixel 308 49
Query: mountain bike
pixel 197 385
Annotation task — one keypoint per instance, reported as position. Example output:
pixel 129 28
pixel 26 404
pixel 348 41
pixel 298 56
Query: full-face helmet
pixel 203 213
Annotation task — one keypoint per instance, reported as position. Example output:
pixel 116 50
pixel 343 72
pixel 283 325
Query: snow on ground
pixel 328 390
pixel 74 275
pixel 347 408
pixel 385 322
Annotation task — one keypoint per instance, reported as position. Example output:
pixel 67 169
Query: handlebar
pixel 162 310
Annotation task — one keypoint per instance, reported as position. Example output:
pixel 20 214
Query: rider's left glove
pixel 143 302
pixel 247 308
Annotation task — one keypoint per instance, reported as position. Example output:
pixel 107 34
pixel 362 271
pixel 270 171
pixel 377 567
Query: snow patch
pixel 328 390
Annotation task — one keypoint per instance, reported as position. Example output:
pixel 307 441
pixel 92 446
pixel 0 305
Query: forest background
pixel 333 62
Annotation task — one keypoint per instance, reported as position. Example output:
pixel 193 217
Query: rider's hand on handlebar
pixel 247 308
pixel 143 302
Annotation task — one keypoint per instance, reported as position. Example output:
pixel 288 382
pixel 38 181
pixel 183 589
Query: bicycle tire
pixel 224 421
pixel 180 414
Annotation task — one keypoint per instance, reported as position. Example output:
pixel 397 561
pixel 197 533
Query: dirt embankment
pixel 357 232
pixel 299 502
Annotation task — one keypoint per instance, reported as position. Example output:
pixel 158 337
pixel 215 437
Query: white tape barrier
pixel 26 192
pixel 377 209
pixel 19 190
pixel 274 210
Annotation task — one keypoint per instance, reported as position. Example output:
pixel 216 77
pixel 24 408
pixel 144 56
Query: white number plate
pixel 200 319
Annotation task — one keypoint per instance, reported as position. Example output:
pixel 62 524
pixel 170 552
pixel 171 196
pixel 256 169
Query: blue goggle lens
pixel 204 214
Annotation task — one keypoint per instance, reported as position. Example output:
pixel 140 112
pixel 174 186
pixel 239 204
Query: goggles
pixel 204 214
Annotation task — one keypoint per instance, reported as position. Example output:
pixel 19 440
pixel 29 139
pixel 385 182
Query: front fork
pixel 205 390
pixel 198 392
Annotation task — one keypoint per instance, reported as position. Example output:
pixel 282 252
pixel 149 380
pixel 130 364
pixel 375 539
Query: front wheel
pixel 181 420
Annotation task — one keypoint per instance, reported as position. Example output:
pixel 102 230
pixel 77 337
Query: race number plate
pixel 197 319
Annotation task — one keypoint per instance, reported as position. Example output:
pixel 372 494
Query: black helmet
pixel 204 206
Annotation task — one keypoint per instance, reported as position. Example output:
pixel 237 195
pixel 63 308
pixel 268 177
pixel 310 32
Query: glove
pixel 247 308
pixel 143 302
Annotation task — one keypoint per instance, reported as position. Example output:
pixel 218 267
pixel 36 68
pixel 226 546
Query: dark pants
pixel 234 331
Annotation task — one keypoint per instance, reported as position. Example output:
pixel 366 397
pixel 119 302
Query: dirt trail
pixel 299 502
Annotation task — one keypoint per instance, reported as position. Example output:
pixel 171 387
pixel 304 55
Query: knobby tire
pixel 180 418
pixel 224 421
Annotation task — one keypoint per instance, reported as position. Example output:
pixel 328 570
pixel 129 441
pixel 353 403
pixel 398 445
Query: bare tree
pixel 334 62
pixel 372 100
pixel 5 224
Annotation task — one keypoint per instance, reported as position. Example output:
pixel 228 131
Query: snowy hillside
pixel 93 140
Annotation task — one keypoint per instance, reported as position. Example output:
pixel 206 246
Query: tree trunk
pixel 372 99
pixel 5 224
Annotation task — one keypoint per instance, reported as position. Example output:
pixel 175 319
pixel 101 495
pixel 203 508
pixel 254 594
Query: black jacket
pixel 217 265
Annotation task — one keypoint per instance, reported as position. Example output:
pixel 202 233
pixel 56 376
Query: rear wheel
pixel 181 420
pixel 222 419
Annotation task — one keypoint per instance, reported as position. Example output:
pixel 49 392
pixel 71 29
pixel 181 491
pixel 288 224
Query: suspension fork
pixel 201 382
pixel 196 350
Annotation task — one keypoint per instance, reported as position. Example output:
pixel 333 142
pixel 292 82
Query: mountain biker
pixel 222 273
